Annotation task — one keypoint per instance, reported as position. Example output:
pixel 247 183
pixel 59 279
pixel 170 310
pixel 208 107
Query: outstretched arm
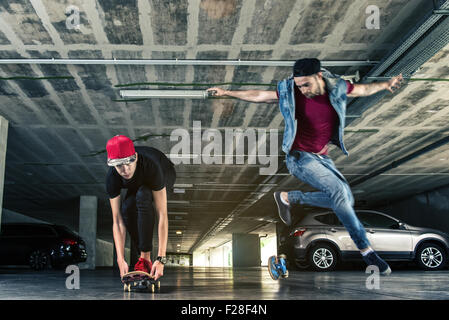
pixel 247 95
pixel 119 234
pixel 363 90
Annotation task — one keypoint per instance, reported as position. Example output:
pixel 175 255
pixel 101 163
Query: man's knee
pixel 341 197
pixel 349 194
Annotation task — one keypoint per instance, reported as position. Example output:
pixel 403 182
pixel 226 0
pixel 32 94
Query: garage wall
pixel 9 216
pixel 429 209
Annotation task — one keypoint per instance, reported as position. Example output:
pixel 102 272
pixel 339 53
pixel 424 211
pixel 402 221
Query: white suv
pixel 319 240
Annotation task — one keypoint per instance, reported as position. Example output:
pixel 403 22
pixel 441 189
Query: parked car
pixel 320 241
pixel 40 245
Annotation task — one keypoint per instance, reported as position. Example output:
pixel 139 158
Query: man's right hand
pixel 123 266
pixel 218 92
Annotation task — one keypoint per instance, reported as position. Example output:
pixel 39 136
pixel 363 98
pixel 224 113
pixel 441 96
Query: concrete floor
pixel 227 284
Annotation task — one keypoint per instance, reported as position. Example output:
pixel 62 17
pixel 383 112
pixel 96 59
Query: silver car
pixel 319 240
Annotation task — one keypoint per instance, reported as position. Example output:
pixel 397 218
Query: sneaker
pixel 277 267
pixel 283 265
pixel 272 268
pixel 283 210
pixel 373 259
pixel 143 265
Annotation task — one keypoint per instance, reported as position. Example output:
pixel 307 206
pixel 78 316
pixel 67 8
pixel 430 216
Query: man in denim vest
pixel 313 104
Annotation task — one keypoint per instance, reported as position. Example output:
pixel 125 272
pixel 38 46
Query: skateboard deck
pixel 139 281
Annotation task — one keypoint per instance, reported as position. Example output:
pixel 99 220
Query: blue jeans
pixel 334 192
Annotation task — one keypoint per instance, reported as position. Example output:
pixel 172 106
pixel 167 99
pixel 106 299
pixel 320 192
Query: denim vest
pixel 336 88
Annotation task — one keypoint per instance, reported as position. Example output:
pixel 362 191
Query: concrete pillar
pixel 88 228
pixel 245 250
pixel 3 141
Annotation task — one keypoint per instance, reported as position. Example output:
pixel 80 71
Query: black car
pixel 40 245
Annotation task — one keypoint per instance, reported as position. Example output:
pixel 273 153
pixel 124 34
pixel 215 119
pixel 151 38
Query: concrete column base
pixel 245 250
pixel 88 229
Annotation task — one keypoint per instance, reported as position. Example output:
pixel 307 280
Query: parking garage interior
pixel 66 65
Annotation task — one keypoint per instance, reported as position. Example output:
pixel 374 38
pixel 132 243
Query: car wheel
pixel 323 257
pixel 38 260
pixel 431 257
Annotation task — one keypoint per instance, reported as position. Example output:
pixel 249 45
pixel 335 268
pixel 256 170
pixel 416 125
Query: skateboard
pixel 140 281
pixel 277 267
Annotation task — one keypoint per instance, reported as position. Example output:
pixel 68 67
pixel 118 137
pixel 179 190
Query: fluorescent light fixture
pixel 179 245
pixel 183 185
pixel 215 184
pixel 442 12
pixel 178 202
pixel 166 94
pixel 177 190
pixel 178 232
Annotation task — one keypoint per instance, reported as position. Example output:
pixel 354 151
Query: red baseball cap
pixel 120 151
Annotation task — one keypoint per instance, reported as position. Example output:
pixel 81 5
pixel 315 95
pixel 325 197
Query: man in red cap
pixel 147 174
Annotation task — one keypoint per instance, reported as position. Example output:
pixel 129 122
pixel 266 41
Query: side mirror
pixel 401 225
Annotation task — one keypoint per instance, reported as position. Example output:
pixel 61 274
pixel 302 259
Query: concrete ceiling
pixel 61 116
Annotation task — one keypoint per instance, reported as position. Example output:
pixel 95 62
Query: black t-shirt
pixel 151 166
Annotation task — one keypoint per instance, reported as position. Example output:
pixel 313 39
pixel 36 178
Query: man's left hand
pixel 157 270
pixel 394 83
